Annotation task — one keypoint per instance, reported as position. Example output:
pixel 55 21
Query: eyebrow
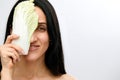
pixel 41 23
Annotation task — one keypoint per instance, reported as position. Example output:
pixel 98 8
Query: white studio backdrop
pixel 91 36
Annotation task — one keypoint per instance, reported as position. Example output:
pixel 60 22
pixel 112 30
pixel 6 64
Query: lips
pixel 33 47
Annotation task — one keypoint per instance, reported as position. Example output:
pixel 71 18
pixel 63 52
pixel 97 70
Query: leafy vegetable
pixel 25 21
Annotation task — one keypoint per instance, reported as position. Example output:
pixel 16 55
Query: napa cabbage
pixel 25 21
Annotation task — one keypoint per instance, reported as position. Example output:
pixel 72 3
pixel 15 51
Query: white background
pixel 91 36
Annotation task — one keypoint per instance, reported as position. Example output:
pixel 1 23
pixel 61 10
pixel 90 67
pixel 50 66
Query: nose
pixel 33 38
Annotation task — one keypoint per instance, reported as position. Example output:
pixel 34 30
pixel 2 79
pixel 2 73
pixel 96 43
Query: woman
pixel 45 57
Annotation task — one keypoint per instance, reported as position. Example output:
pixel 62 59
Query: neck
pixel 30 69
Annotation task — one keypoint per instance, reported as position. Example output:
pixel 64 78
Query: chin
pixel 33 56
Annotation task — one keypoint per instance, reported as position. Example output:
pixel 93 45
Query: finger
pixel 17 55
pixel 10 38
pixel 17 48
pixel 8 56
pixel 13 51
pixel 13 56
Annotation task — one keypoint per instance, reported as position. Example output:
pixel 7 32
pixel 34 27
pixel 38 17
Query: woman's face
pixel 40 40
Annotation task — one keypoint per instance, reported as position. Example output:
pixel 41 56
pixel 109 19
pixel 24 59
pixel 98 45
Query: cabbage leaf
pixel 25 21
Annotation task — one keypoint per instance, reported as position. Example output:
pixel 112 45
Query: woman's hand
pixel 10 54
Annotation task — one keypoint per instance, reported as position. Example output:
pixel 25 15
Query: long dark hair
pixel 54 59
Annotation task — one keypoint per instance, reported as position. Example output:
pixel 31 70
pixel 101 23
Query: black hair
pixel 54 58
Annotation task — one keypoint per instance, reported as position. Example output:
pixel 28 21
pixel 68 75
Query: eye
pixel 41 28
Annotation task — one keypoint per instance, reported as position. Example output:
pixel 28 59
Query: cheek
pixel 44 40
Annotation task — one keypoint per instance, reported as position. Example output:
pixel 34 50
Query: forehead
pixel 41 15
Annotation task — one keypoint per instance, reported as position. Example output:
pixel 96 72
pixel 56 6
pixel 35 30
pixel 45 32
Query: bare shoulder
pixel 67 77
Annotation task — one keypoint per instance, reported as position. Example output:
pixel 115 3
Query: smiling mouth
pixel 33 47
